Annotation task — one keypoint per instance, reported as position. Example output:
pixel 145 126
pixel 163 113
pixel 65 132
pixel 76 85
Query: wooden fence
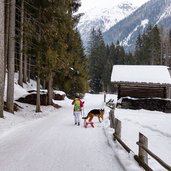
pixel 142 157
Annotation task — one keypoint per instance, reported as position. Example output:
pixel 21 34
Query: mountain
pixel 103 18
pixel 126 31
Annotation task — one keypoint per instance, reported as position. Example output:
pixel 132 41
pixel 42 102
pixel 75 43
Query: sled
pixel 88 123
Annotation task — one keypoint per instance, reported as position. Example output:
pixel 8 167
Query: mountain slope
pixel 126 31
pixel 103 18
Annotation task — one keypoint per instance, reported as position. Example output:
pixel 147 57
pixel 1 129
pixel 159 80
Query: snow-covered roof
pixel 155 74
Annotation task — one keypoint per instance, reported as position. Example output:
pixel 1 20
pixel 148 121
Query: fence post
pixel 112 118
pixel 142 153
pixel 104 96
pixel 117 128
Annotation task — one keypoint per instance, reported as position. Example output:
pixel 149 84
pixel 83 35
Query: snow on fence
pixel 142 157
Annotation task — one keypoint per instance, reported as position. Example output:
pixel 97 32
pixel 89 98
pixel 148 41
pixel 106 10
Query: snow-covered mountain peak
pixel 125 5
pixel 153 12
pixel 103 18
pixel 107 16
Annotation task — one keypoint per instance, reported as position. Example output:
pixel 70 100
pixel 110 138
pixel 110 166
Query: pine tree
pixel 120 54
pixel 97 54
pixel 108 65
pixel 21 39
pixel 2 52
pixel 60 45
pixel 155 46
pixel 148 47
pixel 11 56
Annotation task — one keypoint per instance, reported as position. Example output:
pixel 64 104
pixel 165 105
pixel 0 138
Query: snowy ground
pixel 49 141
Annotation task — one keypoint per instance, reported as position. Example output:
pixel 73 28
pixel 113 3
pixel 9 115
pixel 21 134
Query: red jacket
pixel 81 103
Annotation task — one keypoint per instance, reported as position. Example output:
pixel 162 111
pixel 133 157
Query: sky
pixel 88 4
pixel 49 140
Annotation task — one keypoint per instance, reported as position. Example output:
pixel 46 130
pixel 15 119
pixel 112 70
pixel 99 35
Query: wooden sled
pixel 88 123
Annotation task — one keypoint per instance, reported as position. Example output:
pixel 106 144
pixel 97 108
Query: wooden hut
pixel 141 81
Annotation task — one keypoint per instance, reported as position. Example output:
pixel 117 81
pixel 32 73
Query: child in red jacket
pixel 78 104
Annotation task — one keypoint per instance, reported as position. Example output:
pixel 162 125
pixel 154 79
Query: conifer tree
pixel 108 65
pixel 59 43
pixel 2 52
pixel 11 59
pixel 155 46
pixel 119 53
pixel 148 47
pixel 97 54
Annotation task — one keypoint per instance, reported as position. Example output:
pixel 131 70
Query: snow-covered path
pixel 54 143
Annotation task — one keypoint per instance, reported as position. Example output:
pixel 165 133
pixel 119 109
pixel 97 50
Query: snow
pixel 154 125
pixel 102 17
pixel 126 40
pixel 109 16
pixel 143 24
pixel 49 140
pixel 141 74
pixel 167 13
pixel 89 4
pixel 103 14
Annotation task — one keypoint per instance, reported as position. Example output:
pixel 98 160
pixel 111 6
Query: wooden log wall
pixel 141 92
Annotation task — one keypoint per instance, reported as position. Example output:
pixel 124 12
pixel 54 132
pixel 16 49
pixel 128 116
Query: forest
pixel 39 40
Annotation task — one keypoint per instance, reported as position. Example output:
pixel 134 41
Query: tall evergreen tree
pixel 2 55
pixel 76 81
pixel 148 47
pixel 60 44
pixel 97 54
pixel 108 65
pixel 11 57
pixel 21 52
pixel 119 54
pixel 155 46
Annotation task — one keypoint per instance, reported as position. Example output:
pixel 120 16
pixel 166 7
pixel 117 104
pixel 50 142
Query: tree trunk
pixel 2 53
pixel 38 96
pixel 29 69
pixel 6 34
pixel 38 73
pixel 50 89
pixel 20 81
pixel 11 57
pixel 25 69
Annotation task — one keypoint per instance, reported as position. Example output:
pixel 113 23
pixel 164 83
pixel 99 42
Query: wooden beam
pixel 142 153
pixel 122 143
pixel 165 165
pixel 141 163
